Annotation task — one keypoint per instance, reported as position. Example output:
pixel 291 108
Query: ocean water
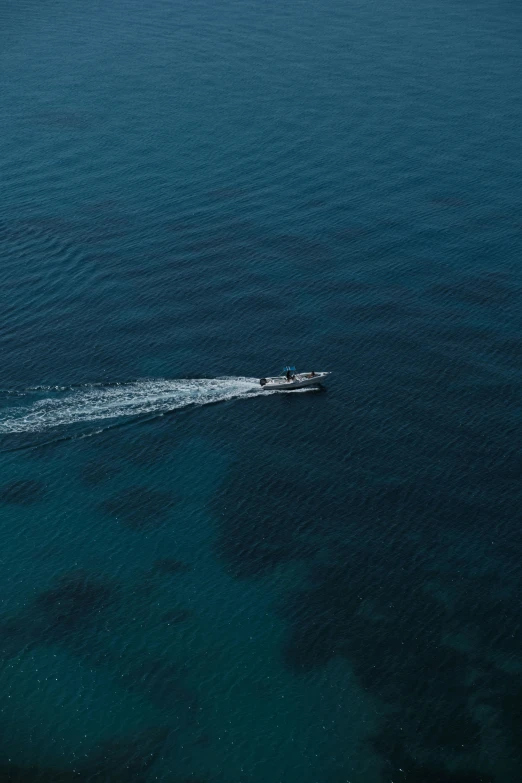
pixel 202 581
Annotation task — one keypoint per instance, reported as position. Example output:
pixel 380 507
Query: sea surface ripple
pixel 203 581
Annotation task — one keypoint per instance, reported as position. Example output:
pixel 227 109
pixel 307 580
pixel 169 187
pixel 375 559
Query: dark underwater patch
pixel 364 601
pixel 315 203
pixel 22 492
pixel 252 542
pixel 13 773
pixel 71 613
pixel 96 472
pixel 492 616
pixel 257 529
pixel 163 683
pixel 385 311
pixel 74 602
pixel 152 449
pixel 72 607
pixel 139 508
pixel 118 760
pixel 502 693
pixel 398 765
pixel 15 634
pixel 148 443
pixel 64 120
pixel 48 550
pixel 449 200
pixel 170 565
pixel 107 216
pixel 376 610
pixel 226 194
pixel 176 616
pixel 41 447
pixel 299 248
pixel 127 759
pixel 350 233
pixel 481 289
pixel 257 302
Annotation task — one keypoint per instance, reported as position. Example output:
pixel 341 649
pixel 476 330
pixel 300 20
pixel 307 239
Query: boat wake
pixel 60 406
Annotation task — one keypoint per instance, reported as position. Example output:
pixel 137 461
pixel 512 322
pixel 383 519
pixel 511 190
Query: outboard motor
pixel 263 381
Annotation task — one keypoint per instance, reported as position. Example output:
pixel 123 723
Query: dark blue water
pixel 201 581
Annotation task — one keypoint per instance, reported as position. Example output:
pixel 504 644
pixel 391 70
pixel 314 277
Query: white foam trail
pixel 95 402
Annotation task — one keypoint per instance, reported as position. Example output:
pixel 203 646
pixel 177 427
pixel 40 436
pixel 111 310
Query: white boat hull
pixel 298 381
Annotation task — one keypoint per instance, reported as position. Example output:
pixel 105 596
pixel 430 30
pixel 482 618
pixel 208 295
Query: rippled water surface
pixel 203 581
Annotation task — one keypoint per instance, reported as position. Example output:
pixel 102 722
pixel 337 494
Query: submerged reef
pixel 75 601
pixel 402 642
pixel 23 492
pixel 176 616
pixel 400 766
pixel 403 582
pixel 170 565
pixel 257 536
pixel 126 759
pixel 96 472
pixel 118 760
pixel 163 683
pixel 139 508
pixel 73 606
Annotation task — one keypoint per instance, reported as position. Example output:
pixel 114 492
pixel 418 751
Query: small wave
pixel 95 402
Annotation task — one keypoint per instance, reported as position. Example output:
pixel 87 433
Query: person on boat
pixel 288 376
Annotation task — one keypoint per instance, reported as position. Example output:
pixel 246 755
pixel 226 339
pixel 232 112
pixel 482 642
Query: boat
pixel 293 380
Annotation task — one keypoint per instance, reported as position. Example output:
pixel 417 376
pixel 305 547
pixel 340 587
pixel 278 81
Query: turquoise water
pixel 202 581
